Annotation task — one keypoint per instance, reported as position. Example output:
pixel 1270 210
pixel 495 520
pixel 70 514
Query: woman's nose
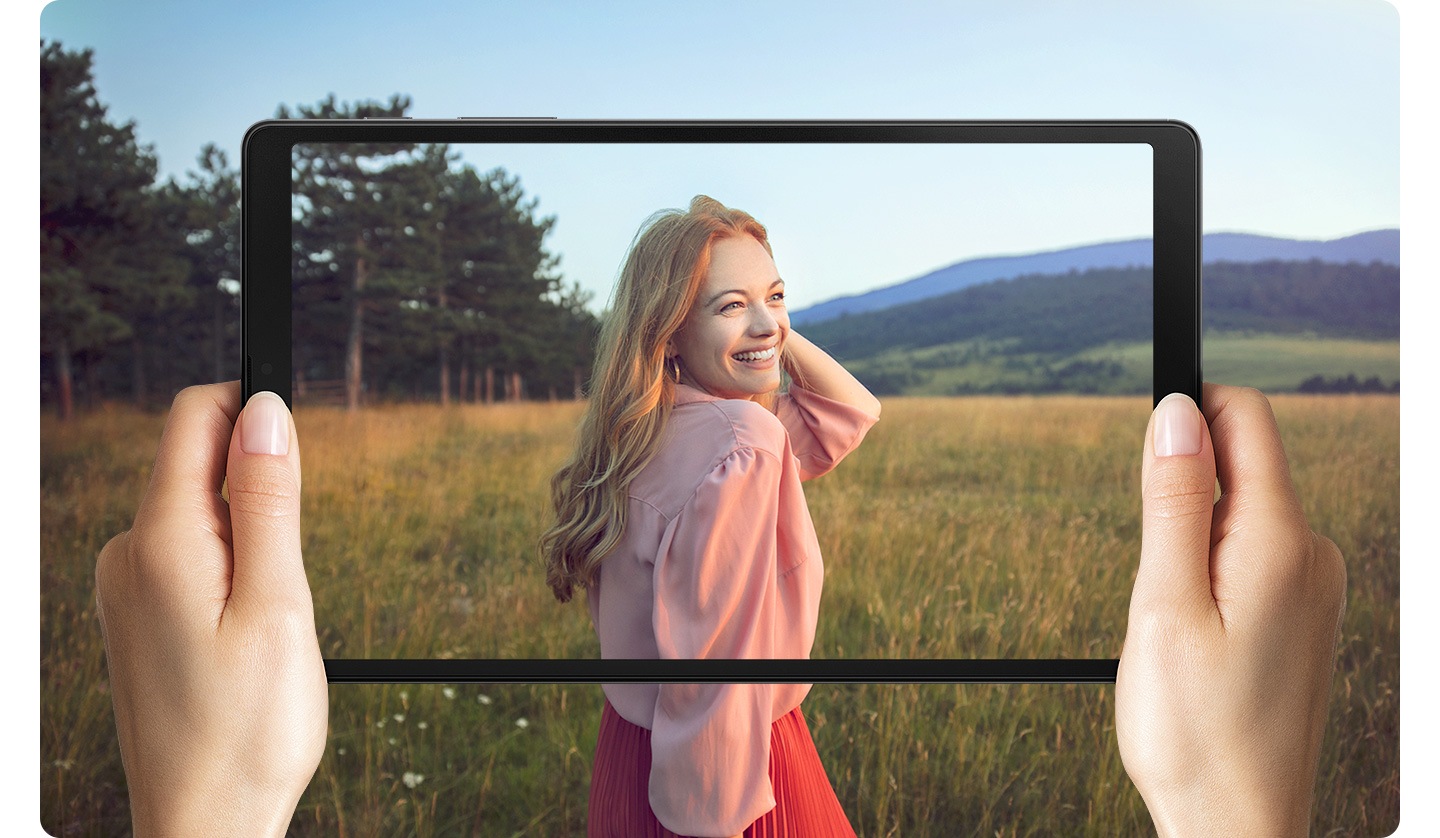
pixel 763 322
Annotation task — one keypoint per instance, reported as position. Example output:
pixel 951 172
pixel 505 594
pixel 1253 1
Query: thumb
pixel 263 479
pixel 1178 491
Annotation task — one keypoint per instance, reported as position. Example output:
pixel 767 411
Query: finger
pixel 1178 495
pixel 190 463
pixel 264 489
pixel 1249 456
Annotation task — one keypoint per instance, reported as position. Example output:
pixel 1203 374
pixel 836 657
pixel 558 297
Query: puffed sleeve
pixel 715 597
pixel 822 431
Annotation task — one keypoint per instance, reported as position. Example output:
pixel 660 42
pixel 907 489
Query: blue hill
pixel 1374 246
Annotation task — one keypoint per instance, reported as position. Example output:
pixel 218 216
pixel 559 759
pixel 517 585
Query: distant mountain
pixel 1065 313
pixel 1375 246
pixel 1381 246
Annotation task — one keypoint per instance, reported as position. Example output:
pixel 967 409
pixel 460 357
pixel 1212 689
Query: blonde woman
pixel 681 514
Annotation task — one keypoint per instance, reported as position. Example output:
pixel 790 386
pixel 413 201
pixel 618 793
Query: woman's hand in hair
pixel 813 369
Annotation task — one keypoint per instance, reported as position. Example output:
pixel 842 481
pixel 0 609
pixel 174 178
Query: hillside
pixel 1374 246
pixel 1091 331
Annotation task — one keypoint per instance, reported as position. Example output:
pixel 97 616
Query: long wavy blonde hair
pixel 631 393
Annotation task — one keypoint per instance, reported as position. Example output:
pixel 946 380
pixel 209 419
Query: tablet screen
pixel 997 298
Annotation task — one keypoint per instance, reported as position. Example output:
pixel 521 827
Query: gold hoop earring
pixel 676 360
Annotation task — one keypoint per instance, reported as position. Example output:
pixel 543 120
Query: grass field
pixel 1271 362
pixel 1276 363
pixel 979 527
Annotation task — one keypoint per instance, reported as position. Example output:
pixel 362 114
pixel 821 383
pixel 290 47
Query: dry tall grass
pixel 962 528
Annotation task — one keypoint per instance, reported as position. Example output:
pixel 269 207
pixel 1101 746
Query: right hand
pixel 1221 695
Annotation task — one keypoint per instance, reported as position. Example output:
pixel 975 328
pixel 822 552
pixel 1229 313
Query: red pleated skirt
pixel 805 802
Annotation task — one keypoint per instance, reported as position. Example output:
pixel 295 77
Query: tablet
pixel 427 295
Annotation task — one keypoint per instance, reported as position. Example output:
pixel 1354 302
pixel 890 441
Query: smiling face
pixel 730 343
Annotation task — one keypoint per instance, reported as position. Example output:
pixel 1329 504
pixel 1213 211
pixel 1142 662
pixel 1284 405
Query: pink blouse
pixel 719 560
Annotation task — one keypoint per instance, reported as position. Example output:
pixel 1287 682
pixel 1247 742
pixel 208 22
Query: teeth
pixel 755 356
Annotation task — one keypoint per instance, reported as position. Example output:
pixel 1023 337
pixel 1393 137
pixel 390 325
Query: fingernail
pixel 265 425
pixel 1177 426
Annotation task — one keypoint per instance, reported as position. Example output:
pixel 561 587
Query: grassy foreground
pixel 980 527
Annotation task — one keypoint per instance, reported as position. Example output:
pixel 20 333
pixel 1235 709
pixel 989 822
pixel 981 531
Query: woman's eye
pixel 728 306
pixel 778 295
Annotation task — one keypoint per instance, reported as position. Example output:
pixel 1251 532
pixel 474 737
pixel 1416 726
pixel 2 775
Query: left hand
pixel 215 670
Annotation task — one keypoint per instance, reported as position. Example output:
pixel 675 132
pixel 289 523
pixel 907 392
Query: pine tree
pixel 344 220
pixel 105 259
pixel 205 211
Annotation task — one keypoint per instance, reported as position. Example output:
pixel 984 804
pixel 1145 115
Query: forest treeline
pixel 1071 312
pixel 417 278
pixel 414 277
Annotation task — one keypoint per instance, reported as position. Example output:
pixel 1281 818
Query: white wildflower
pixel 380 723
pixel 522 722
pixel 483 698
pixel 423 725
pixel 404 696
pixel 340 751
pixel 393 741
pixel 399 717
pixel 411 779
pixel 448 692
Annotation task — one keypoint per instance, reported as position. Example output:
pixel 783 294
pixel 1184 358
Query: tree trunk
pixel 445 377
pixel 489 384
pixel 516 393
pixel 65 380
pixel 466 394
pixel 357 334
pixel 445 357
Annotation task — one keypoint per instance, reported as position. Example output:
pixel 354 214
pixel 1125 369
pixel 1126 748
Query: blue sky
pixel 1297 104
pixel 845 218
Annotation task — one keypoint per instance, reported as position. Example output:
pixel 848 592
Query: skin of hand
pixel 215 670
pixel 811 366
pixel 1229 655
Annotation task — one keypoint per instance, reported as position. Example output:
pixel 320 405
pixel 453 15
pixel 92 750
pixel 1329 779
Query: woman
pixel 682 515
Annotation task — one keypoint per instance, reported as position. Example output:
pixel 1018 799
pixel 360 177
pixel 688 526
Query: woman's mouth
pixel 755 357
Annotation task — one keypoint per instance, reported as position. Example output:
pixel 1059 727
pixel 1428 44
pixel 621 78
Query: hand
pixel 215 670
pixel 814 370
pixel 1220 700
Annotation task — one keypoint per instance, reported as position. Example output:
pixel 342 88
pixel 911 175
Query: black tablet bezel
pixel 265 276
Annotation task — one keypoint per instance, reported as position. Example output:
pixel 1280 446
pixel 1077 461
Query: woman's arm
pixel 817 372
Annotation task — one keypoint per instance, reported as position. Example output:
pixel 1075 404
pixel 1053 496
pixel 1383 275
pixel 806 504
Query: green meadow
pixel 963 527
pixel 1273 363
